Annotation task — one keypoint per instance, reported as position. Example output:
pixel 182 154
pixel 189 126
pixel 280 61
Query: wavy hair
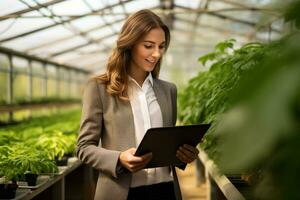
pixel 136 26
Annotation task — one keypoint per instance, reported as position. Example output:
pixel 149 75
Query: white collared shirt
pixel 146 114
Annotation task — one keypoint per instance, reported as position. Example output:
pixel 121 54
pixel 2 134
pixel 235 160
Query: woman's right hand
pixel 134 163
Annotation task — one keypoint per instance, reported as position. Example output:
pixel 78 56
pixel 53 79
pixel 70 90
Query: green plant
pixel 21 159
pixel 207 95
pixel 8 137
pixel 256 128
pixel 54 144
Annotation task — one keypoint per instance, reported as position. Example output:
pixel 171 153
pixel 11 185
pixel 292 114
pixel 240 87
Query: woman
pixel 120 105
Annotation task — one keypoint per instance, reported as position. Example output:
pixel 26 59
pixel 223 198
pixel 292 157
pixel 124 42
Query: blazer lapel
pixel 128 115
pixel 162 101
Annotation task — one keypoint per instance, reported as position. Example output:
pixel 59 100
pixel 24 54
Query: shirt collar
pixel 148 78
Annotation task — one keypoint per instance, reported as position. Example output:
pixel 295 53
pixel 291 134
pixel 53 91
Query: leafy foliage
pixel 15 164
pixel 207 95
pixel 31 146
pixel 256 120
pixel 262 129
pixel 292 13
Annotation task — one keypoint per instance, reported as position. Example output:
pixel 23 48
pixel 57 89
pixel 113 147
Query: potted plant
pixel 20 167
pixel 8 175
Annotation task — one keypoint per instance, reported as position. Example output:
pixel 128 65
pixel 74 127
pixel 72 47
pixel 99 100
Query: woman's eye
pixel 161 47
pixel 147 46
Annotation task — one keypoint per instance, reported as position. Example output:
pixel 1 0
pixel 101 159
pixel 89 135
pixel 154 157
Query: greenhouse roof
pixel 81 33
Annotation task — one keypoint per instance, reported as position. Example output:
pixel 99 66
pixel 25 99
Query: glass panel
pixel 71 7
pixel 110 41
pixel 252 2
pixel 4 61
pixel 11 6
pixel 100 33
pixel 63 83
pixel 52 83
pixel 37 87
pixel 133 6
pixel 93 59
pixel 72 42
pixel 23 25
pixel 117 10
pixel 190 4
pixel 38 80
pixel 90 48
pixel 96 4
pixel 110 2
pixel 20 64
pixel 74 92
pixel 3 87
pixel 87 23
pixel 20 87
pixel 51 87
pixel 48 37
pixel 182 25
pixel 51 71
pixel 20 79
pixel 37 68
pixel 66 56
pixel 248 16
pixel 111 18
pixel 117 26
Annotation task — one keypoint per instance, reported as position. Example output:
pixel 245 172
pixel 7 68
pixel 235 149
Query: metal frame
pixel 167 8
pixel 29 72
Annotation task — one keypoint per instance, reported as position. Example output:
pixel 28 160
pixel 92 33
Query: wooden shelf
pixel 75 181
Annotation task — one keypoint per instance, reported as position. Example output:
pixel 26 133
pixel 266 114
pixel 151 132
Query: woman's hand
pixel 187 153
pixel 134 163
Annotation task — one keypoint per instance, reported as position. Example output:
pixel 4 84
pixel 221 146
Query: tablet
pixel 164 142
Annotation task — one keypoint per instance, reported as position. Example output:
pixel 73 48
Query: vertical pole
pixel 269 32
pixel 69 83
pixel 30 89
pixel 10 86
pixel 30 81
pixel 45 81
pixel 57 82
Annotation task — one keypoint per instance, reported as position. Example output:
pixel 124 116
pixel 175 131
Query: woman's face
pixel 147 51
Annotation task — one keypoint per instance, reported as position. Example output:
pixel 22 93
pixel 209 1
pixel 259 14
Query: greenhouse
pixel 84 84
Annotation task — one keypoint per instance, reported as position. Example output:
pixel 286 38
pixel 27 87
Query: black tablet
pixel 164 142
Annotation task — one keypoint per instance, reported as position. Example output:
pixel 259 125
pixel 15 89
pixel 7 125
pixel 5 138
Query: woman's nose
pixel 156 53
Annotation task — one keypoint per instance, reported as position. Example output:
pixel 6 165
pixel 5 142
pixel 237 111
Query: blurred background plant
pixel 252 97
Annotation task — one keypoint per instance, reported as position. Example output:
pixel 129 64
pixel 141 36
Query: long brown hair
pixel 136 26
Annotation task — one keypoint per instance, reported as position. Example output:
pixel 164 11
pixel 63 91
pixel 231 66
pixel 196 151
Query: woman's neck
pixel 139 76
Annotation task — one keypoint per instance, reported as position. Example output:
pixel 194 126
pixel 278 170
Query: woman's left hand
pixel 187 153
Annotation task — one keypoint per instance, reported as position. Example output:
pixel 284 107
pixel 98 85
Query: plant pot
pixel 8 191
pixel 62 162
pixel 31 179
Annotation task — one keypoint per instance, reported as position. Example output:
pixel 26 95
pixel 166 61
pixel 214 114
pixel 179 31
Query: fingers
pixel 140 159
pixel 141 165
pixel 191 148
pixel 187 153
pixel 134 163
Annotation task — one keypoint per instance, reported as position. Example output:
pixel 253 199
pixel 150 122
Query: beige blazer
pixel 107 128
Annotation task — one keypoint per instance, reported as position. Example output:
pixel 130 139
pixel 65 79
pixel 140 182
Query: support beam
pixel 80 46
pixel 11 52
pixel 166 6
pixel 221 16
pixel 37 7
pixel 218 29
pixel 60 23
